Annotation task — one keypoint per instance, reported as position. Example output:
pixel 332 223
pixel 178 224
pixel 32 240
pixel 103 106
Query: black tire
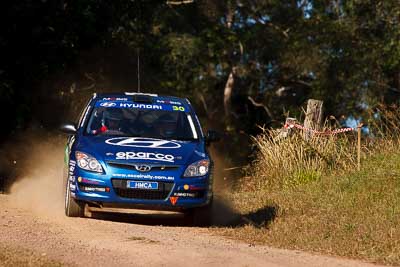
pixel 73 208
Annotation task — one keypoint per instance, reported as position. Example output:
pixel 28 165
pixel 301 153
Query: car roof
pixel 128 94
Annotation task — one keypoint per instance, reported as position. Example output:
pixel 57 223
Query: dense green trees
pixel 219 53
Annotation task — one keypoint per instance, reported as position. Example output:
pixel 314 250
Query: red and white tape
pixel 328 132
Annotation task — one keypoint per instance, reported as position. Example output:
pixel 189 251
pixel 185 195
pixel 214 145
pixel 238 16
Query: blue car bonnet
pixel 143 150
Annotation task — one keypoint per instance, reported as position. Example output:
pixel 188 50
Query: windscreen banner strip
pixel 133 105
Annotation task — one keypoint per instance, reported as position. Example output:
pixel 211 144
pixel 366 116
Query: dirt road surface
pixel 29 237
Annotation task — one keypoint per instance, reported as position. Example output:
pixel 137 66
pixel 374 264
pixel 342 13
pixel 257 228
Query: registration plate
pixel 142 185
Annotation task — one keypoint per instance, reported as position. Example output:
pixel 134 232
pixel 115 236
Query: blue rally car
pixel 134 150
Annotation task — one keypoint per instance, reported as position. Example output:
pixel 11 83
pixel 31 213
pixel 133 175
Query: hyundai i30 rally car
pixel 134 150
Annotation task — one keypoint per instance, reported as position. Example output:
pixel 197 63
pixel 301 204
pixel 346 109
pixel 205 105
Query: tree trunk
pixel 313 118
pixel 231 78
pixel 228 93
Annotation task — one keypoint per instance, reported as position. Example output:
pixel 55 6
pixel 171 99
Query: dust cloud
pixel 223 212
pixel 39 169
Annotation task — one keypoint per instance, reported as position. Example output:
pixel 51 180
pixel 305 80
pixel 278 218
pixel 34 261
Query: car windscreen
pixel 140 120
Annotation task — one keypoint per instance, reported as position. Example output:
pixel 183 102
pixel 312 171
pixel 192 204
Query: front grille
pixel 131 166
pixel 121 190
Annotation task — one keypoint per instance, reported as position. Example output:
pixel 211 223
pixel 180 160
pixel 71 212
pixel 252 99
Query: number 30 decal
pixel 176 108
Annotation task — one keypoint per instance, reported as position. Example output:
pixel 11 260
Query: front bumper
pixel 111 191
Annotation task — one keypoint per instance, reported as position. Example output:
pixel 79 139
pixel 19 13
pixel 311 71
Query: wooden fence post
pixel 359 146
pixel 313 119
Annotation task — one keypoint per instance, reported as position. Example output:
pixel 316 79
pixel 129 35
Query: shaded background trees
pixel 241 62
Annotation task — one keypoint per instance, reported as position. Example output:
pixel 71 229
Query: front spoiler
pixel 100 206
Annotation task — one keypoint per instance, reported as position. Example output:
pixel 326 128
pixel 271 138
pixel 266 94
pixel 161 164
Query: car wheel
pixel 73 208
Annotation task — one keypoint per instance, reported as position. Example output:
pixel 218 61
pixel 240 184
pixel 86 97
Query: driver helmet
pixel 112 118
pixel 166 125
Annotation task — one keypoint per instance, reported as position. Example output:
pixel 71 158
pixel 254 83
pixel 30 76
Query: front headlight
pixel 87 162
pixel 198 168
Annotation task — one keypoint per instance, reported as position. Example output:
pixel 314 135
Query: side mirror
pixel 212 136
pixel 68 128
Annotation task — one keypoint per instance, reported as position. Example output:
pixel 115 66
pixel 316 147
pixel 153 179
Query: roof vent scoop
pixel 143 99
pixel 134 93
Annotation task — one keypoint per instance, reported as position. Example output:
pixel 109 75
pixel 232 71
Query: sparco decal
pixel 145 155
pixel 142 142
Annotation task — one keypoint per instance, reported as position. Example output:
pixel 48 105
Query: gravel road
pixel 35 237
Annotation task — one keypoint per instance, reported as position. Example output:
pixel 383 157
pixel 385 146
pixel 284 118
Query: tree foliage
pixel 279 53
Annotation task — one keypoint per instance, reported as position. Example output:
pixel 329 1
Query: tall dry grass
pixel 320 202
pixel 384 125
pixel 294 160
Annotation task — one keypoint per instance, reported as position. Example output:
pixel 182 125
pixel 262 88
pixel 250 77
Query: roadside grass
pixel 307 194
pixel 354 215
pixel 296 160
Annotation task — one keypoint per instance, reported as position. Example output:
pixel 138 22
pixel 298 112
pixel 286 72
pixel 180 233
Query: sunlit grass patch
pixel 296 160
pixel 354 215
pixel 307 194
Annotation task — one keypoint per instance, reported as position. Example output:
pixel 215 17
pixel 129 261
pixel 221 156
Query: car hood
pixel 139 149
